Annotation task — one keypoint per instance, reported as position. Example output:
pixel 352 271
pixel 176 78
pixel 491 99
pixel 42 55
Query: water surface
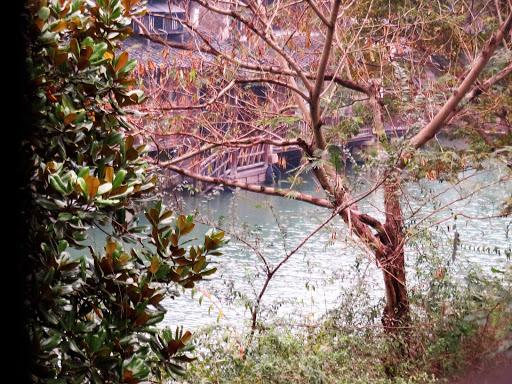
pixel 331 262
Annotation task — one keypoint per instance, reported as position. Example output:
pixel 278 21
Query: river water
pixel 331 270
pixel 330 263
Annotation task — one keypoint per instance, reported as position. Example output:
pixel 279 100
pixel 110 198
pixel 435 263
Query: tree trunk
pixel 396 312
pixel 392 260
pixel 388 248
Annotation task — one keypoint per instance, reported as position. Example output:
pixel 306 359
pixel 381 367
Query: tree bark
pixel 392 258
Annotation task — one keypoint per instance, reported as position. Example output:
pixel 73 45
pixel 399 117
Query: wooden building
pixel 162 20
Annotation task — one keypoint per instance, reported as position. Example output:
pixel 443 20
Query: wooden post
pixel 196 168
pixel 234 164
pixel 266 153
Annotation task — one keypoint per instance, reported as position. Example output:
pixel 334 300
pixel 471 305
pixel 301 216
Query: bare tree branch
pixel 320 78
pixel 435 125
pixel 318 201
pixel 319 13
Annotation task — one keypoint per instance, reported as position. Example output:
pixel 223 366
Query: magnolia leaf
pixel 200 263
pixel 67 102
pixel 188 228
pixel 163 270
pixel 173 346
pixel 57 184
pixel 154 214
pixel 155 318
pixel 65 216
pixel 83 63
pixel 176 369
pixel 60 26
pixel 141 319
pixel 63 244
pixel 110 248
pixel 84 171
pixel 118 194
pixel 132 154
pixel 118 180
pixel 50 343
pixel 92 186
pixel 128 67
pixel 185 359
pixel 60 58
pixel 154 265
pixel 166 217
pixel 209 272
pixel 182 223
pixel 109 174
pixel 99 51
pixel 74 47
pixel 186 337
pixel 47 204
pixel 107 201
pixel 104 188
pixel 86 52
pixel 121 61
pixel 129 141
pixel 44 13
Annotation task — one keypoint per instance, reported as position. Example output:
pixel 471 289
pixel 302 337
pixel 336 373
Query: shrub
pixel 455 326
pixel 92 314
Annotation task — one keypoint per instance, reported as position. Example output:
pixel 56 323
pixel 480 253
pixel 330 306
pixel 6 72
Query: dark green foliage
pixel 92 315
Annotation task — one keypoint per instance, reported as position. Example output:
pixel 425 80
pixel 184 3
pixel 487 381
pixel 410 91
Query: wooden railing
pixel 238 163
pixel 160 24
pixel 229 163
pixel 217 164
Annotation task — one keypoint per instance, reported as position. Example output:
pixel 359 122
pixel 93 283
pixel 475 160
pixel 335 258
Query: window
pixel 158 23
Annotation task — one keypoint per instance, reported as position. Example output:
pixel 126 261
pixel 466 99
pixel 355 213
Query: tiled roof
pixel 163 7
pixel 144 50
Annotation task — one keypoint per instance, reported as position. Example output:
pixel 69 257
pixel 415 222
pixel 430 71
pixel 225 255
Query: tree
pixel 92 314
pixel 319 71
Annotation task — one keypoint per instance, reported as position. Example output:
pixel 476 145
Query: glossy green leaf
pixel 99 51
pixel 65 216
pixel 50 343
pixel 107 202
pixel 163 270
pixel 84 171
pixel 63 244
pixel 119 178
pixel 104 188
pixel 44 13
pixel 57 184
